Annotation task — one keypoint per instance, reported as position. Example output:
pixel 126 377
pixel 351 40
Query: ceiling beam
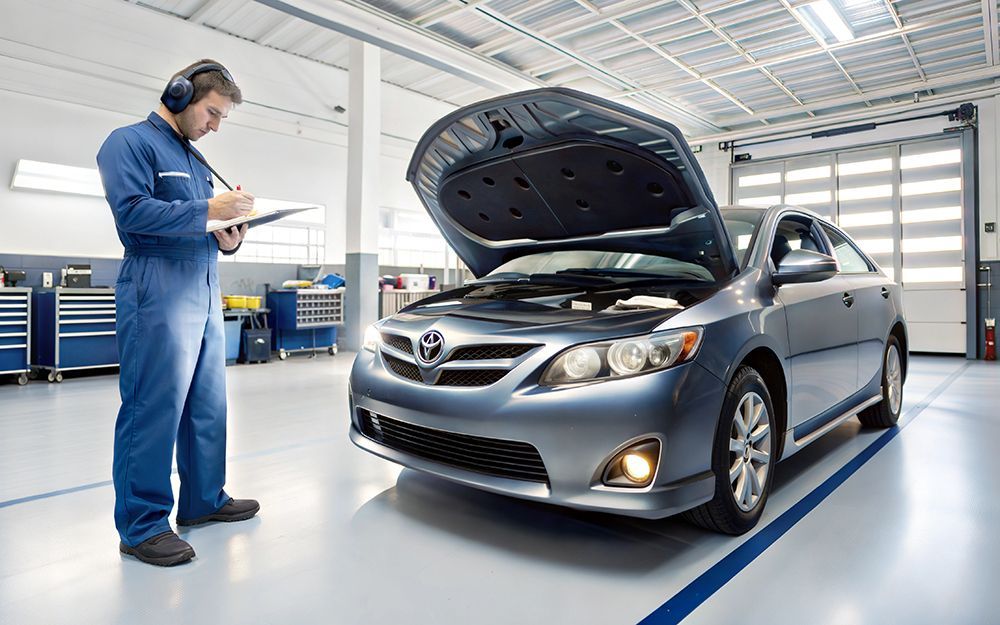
pixel 599 71
pixel 906 40
pixel 798 56
pixel 749 58
pixel 198 17
pixel 282 28
pixel 367 23
pixel 798 18
pixel 948 80
pixel 878 113
pixel 444 12
pixel 990 32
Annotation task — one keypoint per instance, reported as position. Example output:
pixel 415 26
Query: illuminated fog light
pixel 582 363
pixel 636 468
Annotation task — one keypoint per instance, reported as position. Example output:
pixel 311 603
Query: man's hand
pixel 230 205
pixel 230 237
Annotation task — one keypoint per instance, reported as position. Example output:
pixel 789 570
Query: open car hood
pixel 555 168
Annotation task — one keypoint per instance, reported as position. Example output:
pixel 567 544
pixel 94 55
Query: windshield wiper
pixel 569 279
pixel 547 279
pixel 506 276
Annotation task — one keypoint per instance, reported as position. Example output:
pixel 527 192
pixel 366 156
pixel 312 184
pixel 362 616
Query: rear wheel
pixel 885 414
pixel 741 458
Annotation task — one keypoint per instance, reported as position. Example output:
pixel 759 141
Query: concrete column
pixel 363 148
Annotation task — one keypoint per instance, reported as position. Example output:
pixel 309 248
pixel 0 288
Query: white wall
pixel 716 163
pixel 70 72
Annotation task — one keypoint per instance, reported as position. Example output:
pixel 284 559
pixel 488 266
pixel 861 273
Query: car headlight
pixel 372 338
pixel 636 355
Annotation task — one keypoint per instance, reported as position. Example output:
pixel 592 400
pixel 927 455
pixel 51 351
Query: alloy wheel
pixel 749 451
pixel 893 379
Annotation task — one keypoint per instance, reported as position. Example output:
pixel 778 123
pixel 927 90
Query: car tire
pixel 885 414
pixel 733 510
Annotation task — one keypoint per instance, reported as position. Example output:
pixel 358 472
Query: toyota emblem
pixel 431 345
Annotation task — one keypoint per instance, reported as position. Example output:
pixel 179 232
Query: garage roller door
pixel 905 205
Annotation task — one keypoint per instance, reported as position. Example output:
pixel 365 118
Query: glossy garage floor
pixel 343 537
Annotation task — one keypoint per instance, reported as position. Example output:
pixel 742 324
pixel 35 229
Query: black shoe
pixel 166 549
pixel 233 510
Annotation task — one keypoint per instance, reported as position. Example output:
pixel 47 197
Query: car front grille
pixel 488 374
pixel 491 352
pixel 402 368
pixel 401 343
pixel 490 456
pixel 470 377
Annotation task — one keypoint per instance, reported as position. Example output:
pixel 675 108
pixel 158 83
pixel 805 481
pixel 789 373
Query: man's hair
pixel 214 80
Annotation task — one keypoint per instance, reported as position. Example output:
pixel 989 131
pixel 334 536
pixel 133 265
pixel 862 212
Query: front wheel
pixel 22 379
pixel 741 458
pixel 885 414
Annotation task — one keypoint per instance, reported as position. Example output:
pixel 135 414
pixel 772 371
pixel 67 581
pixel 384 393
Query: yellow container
pixel 253 302
pixel 236 301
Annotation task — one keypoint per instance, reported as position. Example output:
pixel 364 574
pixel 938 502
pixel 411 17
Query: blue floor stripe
pixel 704 586
pixel 236 458
pixel 53 493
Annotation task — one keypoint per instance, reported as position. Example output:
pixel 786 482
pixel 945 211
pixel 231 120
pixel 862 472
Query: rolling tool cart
pixel 73 329
pixel 305 320
pixel 15 332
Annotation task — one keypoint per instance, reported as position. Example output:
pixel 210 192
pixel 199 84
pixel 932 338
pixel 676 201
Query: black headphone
pixel 180 89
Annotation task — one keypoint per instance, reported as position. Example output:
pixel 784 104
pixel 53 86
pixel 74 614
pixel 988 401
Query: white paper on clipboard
pixel 262 217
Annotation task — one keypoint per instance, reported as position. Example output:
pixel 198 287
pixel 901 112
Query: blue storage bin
pixel 233 340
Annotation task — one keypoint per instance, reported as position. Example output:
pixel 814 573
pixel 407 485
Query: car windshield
pixel 567 264
pixel 741 223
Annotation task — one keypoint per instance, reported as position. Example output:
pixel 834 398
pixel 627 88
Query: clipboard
pixel 263 217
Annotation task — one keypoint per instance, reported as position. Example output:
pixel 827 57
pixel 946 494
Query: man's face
pixel 204 116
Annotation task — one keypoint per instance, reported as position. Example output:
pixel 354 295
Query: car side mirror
pixel 804 266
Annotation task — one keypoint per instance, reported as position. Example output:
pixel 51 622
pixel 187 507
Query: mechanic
pixel 169 317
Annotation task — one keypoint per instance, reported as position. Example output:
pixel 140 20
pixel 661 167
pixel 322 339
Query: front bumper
pixel 576 430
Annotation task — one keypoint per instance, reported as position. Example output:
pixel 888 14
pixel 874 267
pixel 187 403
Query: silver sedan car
pixel 628 346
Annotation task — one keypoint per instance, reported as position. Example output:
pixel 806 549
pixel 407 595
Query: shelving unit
pixel 15 332
pixel 305 319
pixel 74 329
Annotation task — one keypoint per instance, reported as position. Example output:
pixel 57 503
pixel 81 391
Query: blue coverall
pixel 171 341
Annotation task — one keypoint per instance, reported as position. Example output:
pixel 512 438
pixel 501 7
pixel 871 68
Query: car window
pixel 741 223
pixel 621 263
pixel 793 233
pixel 850 260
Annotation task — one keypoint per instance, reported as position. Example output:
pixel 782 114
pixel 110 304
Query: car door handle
pixel 885 293
pixel 848 300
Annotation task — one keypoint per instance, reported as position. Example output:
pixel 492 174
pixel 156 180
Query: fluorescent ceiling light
pixel 41 176
pixel 824 19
